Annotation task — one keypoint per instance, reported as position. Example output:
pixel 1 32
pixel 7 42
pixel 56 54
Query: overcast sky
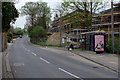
pixel 21 20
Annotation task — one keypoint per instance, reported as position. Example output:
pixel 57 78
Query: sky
pixel 21 20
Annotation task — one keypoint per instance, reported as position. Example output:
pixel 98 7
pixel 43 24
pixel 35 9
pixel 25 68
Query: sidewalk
pixel 0 65
pixel 105 59
pixel 6 70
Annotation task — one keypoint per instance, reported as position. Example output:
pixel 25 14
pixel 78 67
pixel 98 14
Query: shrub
pixel 37 32
pixel 9 34
pixel 18 31
pixel 109 46
pixel 9 39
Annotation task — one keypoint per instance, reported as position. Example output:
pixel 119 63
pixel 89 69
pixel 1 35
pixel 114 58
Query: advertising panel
pixel 99 42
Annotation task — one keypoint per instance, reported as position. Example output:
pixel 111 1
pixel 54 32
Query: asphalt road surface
pixel 29 61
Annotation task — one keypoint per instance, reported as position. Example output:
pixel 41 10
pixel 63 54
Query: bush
pixel 9 39
pixel 9 34
pixel 109 46
pixel 37 32
pixel 18 31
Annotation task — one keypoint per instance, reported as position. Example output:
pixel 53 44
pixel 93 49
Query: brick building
pixel 103 21
pixel 73 24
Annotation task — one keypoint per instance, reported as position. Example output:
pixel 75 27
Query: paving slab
pixel 109 60
pixel 0 65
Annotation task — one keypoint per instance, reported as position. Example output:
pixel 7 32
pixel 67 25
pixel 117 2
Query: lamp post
pixel 112 25
pixel 60 28
pixel 60 11
pixel 1 43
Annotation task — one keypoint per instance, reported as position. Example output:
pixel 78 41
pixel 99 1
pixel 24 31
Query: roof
pixel 91 32
pixel 80 10
pixel 103 24
pixel 117 4
pixel 79 29
pixel 109 10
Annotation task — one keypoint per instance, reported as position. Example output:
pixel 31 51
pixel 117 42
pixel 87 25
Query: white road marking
pixel 69 73
pixel 15 71
pixel 34 54
pixel 26 49
pixel 44 60
pixel 18 64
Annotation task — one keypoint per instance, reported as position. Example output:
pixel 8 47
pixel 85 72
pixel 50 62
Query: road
pixel 29 61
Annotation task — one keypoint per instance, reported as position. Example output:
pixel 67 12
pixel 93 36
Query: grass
pixel 43 44
pixel 53 45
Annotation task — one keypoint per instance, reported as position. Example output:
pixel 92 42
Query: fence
pixel 3 42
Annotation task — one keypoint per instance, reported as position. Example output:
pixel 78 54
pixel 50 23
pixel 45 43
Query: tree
pixel 29 9
pixel 38 13
pixel 84 6
pixel 43 16
pixel 56 16
pixel 38 32
pixel 9 14
pixel 18 31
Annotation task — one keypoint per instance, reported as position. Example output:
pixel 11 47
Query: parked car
pixel 20 36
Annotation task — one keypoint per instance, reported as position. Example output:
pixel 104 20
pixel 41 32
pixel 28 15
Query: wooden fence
pixel 3 41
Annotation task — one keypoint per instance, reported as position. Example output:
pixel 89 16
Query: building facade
pixel 103 21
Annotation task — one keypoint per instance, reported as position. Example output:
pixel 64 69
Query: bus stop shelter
pixel 88 41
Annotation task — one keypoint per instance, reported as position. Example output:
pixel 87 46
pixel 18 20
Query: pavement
pixel 107 60
pixel 0 65
pixel 5 69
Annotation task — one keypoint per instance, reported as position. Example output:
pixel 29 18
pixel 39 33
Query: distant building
pixel 103 21
pixel 71 24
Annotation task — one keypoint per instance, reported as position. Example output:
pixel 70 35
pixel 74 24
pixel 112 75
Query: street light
pixel 60 11
pixel 112 25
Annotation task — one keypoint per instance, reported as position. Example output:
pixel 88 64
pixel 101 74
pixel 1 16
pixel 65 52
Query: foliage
pixel 18 31
pixel 82 5
pixel 85 10
pixel 109 46
pixel 38 13
pixel 9 34
pixel 9 39
pixel 37 32
pixel 9 14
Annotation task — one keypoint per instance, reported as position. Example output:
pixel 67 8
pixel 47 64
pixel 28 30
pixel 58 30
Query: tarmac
pixel 107 60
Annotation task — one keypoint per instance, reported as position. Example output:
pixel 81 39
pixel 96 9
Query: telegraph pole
pixel 60 28
pixel 1 43
pixel 112 25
